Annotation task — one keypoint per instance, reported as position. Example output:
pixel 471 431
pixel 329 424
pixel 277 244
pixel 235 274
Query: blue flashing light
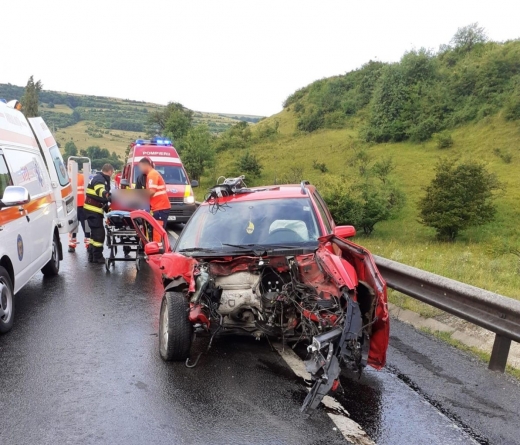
pixel 3 100
pixel 154 141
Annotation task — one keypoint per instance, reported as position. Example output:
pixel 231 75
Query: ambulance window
pixel 27 171
pixel 5 177
pixel 57 160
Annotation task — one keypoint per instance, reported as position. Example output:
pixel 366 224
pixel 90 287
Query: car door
pixel 14 231
pixel 144 224
pixel 28 171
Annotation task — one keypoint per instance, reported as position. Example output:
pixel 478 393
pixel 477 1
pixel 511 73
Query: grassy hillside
pixel 107 122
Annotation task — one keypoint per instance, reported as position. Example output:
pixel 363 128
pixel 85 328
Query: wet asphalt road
pixel 81 366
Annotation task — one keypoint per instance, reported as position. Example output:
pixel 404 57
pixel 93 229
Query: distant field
pixel 110 123
pixel 115 140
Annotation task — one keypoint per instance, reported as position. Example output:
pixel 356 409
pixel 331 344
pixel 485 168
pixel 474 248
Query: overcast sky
pixel 222 55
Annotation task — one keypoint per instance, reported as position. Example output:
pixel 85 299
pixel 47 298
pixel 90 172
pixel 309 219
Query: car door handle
pixel 21 210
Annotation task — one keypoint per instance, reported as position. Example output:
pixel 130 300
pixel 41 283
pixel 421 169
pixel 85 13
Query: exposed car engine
pixel 293 299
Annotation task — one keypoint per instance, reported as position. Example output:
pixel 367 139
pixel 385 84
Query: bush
pixel 249 164
pixel 363 204
pixel 321 166
pixel 444 140
pixel 335 119
pixel 460 196
pixel 311 121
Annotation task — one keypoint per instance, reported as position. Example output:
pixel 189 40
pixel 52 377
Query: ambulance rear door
pixel 60 182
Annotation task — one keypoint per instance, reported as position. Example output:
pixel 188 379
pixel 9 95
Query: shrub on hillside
pixel 249 165
pixel 321 166
pixel 460 196
pixel 310 121
pixel 366 198
pixel 362 204
pixel 444 140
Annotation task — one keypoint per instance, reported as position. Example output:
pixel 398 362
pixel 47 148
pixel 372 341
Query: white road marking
pixel 351 430
pixel 172 233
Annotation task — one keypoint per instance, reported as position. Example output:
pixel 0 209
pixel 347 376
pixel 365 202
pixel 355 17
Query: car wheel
pixel 52 268
pixel 175 330
pixel 6 302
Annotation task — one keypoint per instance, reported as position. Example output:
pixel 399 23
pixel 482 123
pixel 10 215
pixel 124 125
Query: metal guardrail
pixel 488 310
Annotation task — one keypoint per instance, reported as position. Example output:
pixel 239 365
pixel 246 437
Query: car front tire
pixel 52 268
pixel 175 329
pixel 6 302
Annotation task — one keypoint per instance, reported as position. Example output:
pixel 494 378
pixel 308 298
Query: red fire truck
pixel 167 162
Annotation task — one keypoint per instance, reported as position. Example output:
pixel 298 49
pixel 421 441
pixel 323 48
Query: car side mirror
pixel 152 248
pixel 345 231
pixel 194 183
pixel 15 196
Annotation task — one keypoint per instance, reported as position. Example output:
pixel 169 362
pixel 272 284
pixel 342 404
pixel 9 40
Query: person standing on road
pixel 96 203
pixel 156 187
pixel 73 243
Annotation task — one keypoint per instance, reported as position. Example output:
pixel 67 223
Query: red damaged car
pixel 270 262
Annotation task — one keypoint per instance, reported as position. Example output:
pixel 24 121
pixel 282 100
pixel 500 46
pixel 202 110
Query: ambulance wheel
pixel 138 264
pixel 175 330
pixel 52 268
pixel 107 264
pixel 6 302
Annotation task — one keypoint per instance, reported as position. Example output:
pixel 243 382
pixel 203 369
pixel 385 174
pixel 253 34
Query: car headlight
pixel 189 200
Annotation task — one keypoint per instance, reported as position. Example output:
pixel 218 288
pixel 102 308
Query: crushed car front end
pixel 230 274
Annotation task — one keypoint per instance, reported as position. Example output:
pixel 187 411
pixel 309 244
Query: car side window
pixel 323 212
pixel 5 177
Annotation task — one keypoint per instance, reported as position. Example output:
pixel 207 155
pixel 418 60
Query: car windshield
pixel 251 224
pixel 172 174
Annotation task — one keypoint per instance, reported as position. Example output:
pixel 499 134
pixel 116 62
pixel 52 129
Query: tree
pixel 30 97
pixel 460 196
pixel 173 121
pixel 468 36
pixel 198 153
pixel 249 164
pixel 100 156
pixel 70 150
pixel 76 116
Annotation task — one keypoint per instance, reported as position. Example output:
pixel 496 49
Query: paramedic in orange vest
pixel 156 187
pixel 73 243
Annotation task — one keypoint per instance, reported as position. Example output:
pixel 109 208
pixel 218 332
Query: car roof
pixel 269 192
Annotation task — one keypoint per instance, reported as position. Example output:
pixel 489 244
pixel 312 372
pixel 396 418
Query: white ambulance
pixel 36 205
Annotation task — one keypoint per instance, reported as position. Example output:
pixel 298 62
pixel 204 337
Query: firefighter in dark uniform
pixel 96 203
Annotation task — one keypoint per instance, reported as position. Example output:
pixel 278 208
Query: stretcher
pixel 120 230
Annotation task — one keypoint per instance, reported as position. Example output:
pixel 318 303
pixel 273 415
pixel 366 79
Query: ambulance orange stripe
pixel 12 136
pixel 11 214
pixel 66 191
pixel 50 142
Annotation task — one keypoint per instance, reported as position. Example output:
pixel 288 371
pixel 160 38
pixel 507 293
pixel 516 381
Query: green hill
pixel 366 110
pixel 105 121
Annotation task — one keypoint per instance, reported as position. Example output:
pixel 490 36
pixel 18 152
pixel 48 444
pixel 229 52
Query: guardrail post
pixel 499 353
